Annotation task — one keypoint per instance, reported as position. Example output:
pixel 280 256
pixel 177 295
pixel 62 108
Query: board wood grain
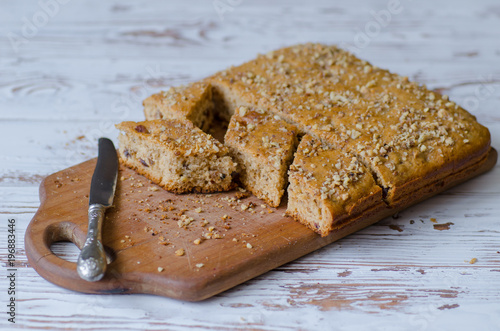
pixel 189 246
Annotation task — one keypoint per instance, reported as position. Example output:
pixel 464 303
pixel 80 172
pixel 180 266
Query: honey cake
pixel 407 136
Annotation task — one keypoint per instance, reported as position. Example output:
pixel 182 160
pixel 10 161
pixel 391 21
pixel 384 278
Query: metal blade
pixel 103 185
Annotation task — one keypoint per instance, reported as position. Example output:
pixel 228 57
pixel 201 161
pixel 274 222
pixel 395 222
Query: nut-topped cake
pixel 408 136
pixel 403 138
pixel 263 145
pixel 176 155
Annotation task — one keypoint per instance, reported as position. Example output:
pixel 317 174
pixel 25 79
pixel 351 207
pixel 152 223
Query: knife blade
pixel 91 264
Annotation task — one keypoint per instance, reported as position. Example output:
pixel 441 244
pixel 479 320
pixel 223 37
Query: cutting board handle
pixel 46 229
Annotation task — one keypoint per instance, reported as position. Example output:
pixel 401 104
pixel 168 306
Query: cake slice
pixel 328 186
pixel 176 155
pixel 192 102
pixel 263 145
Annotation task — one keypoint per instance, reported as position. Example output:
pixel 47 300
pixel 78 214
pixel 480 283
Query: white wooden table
pixel 71 69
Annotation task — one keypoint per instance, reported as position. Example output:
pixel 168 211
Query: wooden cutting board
pixel 240 237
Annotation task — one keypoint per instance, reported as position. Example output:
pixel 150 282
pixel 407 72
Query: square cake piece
pixel 328 186
pixel 263 145
pixel 192 102
pixel 176 155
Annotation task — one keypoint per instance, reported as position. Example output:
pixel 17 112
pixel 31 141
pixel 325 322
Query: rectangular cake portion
pixel 176 155
pixel 328 186
pixel 263 145
pixel 192 102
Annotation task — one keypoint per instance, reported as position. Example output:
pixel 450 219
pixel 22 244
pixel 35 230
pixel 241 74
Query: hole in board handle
pixel 65 250
pixel 63 243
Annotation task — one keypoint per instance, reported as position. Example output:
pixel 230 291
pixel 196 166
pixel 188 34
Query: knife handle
pixel 91 264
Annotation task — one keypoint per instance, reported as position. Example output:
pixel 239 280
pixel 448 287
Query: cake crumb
pixel 179 252
pixel 199 265
pixel 184 221
pixel 249 245
pixel 197 241
pixel 433 220
pixel 473 260
pixel 160 269
pixel 198 210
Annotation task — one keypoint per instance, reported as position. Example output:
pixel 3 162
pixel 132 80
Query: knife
pixel 91 264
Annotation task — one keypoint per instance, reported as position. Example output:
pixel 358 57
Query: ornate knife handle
pixel 91 264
